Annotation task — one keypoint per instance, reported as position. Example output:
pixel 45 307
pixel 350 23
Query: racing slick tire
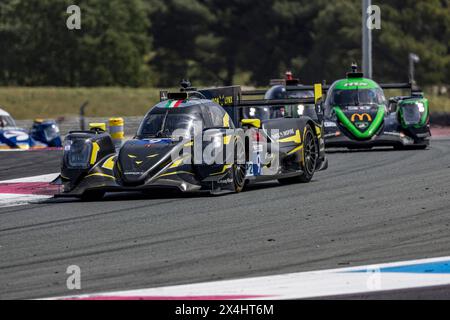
pixel 310 156
pixel 418 146
pixel 239 170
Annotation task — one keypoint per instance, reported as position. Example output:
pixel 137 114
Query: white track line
pixel 42 178
pixel 296 285
pixel 12 200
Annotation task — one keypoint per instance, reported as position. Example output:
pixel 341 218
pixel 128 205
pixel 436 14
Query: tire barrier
pixel 116 130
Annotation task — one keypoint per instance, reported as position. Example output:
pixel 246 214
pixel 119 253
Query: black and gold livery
pixel 155 157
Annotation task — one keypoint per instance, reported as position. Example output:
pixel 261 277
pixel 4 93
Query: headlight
pixel 421 107
pixel 77 153
pixel 67 144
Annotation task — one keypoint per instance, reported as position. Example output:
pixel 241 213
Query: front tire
pixel 421 146
pixel 239 171
pixel 310 156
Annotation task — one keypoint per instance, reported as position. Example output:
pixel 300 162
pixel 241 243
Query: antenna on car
pixel 187 91
pixel 355 74
pixel 186 86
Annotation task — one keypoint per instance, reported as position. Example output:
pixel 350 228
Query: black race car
pixel 288 88
pixel 196 140
pixel 358 115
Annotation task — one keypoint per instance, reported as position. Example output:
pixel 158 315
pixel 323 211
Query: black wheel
pixel 411 147
pixel 310 156
pixel 239 171
pixel 92 195
pixel 420 147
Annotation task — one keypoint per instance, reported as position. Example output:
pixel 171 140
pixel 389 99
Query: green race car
pixel 357 115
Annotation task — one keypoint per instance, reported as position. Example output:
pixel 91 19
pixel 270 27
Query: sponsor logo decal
pixel 282 134
pixel 361 117
pixel 356 84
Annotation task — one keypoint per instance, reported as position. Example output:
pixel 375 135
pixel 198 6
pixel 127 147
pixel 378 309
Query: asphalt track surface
pixel 368 207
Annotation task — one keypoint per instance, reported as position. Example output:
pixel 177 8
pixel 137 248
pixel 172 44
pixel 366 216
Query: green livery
pixel 358 115
pixel 367 133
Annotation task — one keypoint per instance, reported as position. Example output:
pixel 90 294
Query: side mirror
pixel 320 110
pixel 255 123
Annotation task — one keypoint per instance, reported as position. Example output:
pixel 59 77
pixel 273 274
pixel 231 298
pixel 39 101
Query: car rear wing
pixel 262 92
pixel 231 98
pixel 325 88
pixel 415 90
pixel 256 92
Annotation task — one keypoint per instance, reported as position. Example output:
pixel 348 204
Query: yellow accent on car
pixel 173 173
pixel 94 153
pixel 295 150
pixel 152 155
pixel 317 92
pixel 139 162
pixel 109 164
pixel 177 163
pixel 97 125
pixel 224 169
pixel 188 144
pixel 132 156
pixel 256 123
pixel 226 120
pixel 226 139
pixel 100 175
pixel 318 131
pixel 295 138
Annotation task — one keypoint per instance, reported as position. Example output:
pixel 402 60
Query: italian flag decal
pixel 173 103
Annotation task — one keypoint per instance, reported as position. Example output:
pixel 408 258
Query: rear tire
pixel 310 156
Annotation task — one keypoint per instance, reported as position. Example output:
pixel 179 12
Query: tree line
pixel 214 42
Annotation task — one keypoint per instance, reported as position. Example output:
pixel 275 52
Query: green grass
pixel 439 103
pixel 30 103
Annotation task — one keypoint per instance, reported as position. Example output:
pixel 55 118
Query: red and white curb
pixel 27 190
pixel 313 284
pixel 30 149
pixel 440 132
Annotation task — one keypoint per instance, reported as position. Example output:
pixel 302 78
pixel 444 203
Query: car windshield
pixel 164 124
pixel 357 97
pixel 264 113
pixel 6 121
pixel 51 132
pixel 300 94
